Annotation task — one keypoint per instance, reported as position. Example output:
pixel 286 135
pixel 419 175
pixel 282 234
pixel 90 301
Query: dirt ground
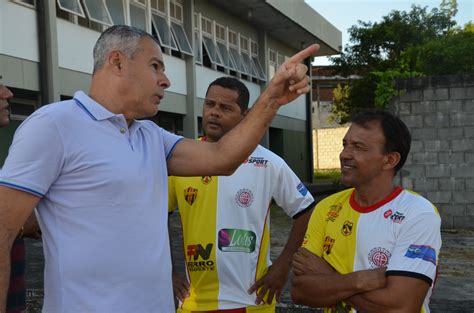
pixel 454 291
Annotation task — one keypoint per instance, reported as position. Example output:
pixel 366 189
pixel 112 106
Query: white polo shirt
pixel 103 208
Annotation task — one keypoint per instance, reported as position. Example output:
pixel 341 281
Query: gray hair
pixel 118 38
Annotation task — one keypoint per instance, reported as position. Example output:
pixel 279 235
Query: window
pixel 72 6
pixel 158 5
pixel 281 59
pixel 97 11
pixel 116 11
pixel 163 31
pixel 234 52
pixel 176 11
pixel 244 51
pixel 255 61
pixel 28 3
pixel 222 47
pixel 181 38
pixel 137 16
pixel 212 52
pixel 206 25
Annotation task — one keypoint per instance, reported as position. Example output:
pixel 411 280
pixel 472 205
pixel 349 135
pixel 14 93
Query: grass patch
pixel 334 174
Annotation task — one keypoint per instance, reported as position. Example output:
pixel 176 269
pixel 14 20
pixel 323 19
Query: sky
pixel 345 13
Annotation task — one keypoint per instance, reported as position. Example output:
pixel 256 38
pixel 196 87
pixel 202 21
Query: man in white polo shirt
pixel 98 177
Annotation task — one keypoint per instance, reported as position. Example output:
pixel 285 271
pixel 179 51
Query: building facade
pixel 46 55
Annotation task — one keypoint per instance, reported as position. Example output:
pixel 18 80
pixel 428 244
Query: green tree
pixel 392 48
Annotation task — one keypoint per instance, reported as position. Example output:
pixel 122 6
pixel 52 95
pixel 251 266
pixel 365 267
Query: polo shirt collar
pixel 95 110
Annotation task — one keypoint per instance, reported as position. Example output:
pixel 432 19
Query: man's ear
pixel 115 61
pixel 391 160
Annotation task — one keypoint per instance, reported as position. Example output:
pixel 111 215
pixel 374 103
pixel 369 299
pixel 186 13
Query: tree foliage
pixel 403 44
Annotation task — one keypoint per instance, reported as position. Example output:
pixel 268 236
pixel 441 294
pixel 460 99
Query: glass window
pixel 206 25
pixel 244 43
pixel 281 59
pixel 181 38
pixel 248 63
pixel 233 38
pixel 260 72
pixel 272 56
pixel 116 11
pixel 176 11
pixel 137 17
pixel 140 1
pixel 220 32
pixel 163 31
pixel 30 3
pixel 238 60
pixel 212 52
pixel 228 61
pixel 72 6
pixel 97 11
pixel 254 47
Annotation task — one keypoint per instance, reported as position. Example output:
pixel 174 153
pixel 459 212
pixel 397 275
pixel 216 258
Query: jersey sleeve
pixel 290 193
pixel 314 237
pixel 417 248
pixel 36 156
pixel 172 199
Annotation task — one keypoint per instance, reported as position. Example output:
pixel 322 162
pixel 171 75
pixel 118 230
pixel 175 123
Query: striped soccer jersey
pixel 401 233
pixel 225 223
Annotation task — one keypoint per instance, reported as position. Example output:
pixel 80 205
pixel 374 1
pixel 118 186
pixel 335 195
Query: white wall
pixel 18 34
pixel 295 109
pixel 205 75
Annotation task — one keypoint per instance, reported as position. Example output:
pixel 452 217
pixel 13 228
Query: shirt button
pixel 122 130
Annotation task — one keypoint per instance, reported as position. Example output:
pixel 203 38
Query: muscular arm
pixel 277 275
pixel 192 158
pixel 317 284
pixel 15 207
pixel 401 294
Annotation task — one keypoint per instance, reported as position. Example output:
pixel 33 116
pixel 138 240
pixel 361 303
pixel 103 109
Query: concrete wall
pixel 327 145
pixel 440 114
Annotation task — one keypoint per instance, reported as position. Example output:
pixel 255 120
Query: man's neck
pixel 366 196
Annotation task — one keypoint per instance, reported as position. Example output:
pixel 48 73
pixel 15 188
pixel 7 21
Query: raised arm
pixel 191 158
pixel 15 207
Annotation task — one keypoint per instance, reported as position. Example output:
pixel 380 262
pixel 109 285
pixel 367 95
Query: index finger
pixel 303 54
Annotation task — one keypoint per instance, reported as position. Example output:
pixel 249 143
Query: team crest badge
pixel 190 195
pixel 328 243
pixel 206 180
pixel 347 228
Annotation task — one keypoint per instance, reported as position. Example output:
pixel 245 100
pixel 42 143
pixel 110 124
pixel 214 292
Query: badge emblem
pixel 190 195
pixel 347 228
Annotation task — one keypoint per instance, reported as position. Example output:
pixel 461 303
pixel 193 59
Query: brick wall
pixel 440 114
pixel 327 144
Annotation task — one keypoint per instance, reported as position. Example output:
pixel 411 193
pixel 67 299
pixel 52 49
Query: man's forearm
pixel 296 237
pixel 318 290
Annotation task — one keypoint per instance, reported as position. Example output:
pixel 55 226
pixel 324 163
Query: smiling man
pixel 373 247
pixel 225 220
pixel 98 177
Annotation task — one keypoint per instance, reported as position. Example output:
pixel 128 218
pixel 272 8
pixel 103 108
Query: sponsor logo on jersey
pixel 425 253
pixel 190 195
pixel 397 217
pixel 328 243
pixel 198 258
pixel 257 161
pixel 236 240
pixel 347 228
pixel 333 212
pixel 302 189
pixel 387 213
pixel 379 257
pixel 206 180
pixel 244 198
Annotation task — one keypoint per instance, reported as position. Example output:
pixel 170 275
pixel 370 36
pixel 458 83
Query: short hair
pixel 396 133
pixel 119 37
pixel 237 85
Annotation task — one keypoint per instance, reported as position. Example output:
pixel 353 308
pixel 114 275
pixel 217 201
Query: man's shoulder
pixel 338 198
pixel 415 204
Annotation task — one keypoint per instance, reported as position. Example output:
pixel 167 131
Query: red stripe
pixel 17 284
pixel 371 208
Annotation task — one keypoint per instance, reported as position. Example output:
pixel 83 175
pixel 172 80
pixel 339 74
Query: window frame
pixel 78 2
pixel 84 2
